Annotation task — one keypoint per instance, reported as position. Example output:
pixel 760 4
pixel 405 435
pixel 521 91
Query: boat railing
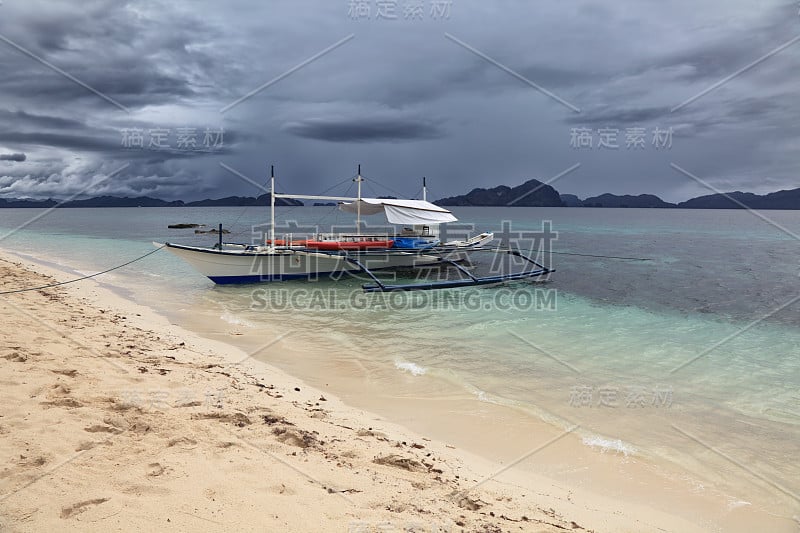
pixel 353 236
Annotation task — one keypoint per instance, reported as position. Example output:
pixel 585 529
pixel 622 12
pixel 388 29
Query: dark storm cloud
pixel 721 56
pixel 127 56
pixel 12 157
pixel 554 77
pixel 621 116
pixel 59 140
pixel 706 62
pixel 758 111
pixel 138 85
pixel 29 129
pixel 108 145
pixel 382 97
pixel 364 130
pixel 21 119
pixel 737 112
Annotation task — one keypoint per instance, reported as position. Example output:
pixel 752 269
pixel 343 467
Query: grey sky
pixel 399 97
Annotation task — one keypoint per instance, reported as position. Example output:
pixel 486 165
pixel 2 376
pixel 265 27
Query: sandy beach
pixel 115 419
pixel 374 266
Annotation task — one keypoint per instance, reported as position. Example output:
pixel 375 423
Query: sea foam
pixel 412 368
pixel 236 321
pixel 606 445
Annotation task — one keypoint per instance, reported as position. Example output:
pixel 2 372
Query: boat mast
pixel 272 206
pixel 424 189
pixel 358 180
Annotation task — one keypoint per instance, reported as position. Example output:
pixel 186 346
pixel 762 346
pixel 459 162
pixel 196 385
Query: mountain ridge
pixel 626 200
pixel 531 193
pixel 144 201
pixel 543 195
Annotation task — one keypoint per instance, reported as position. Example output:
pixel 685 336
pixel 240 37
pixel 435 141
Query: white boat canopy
pixel 407 212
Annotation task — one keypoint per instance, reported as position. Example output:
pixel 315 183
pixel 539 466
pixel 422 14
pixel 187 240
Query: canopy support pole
pixel 358 180
pixel 272 207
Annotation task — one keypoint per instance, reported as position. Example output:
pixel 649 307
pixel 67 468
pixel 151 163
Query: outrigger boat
pixel 328 255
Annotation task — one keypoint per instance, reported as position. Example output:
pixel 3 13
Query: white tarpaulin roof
pixel 408 212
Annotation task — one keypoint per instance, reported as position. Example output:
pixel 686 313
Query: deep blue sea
pixel 700 339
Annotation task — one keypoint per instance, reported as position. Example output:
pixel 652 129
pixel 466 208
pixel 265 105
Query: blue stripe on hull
pixel 232 280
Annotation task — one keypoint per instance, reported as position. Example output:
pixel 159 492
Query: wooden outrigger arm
pixel 379 286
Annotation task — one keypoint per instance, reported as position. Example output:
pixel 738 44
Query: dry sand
pixel 114 419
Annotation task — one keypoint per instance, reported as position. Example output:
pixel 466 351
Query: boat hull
pixel 236 267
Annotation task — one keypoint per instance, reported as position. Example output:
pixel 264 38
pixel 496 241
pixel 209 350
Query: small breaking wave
pixel 236 321
pixel 609 445
pixel 735 504
pixel 412 368
pixel 483 396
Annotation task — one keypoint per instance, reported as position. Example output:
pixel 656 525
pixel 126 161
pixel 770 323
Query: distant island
pixel 532 193
pixel 786 199
pixel 146 201
pixel 625 200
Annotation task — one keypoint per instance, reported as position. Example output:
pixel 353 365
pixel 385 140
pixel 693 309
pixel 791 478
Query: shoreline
pixel 502 433
pixel 296 416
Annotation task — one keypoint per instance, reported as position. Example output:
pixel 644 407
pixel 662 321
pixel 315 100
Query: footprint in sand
pixel 406 463
pixel 27 462
pixel 372 433
pixel 156 469
pixel 282 489
pixel 99 428
pixel 296 437
pixel 182 442
pixel 59 389
pixel 16 357
pixel 471 504
pixel 189 404
pixel 69 373
pixel 237 419
pixel 129 422
pixel 63 402
pixel 80 507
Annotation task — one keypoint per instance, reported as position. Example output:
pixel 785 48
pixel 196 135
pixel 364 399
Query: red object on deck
pixel 348 245
pixel 282 242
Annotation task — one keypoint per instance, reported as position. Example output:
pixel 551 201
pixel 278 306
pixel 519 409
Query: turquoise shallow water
pixel 697 348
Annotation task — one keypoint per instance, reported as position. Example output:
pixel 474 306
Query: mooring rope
pixel 544 252
pixel 84 277
pixel 605 256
